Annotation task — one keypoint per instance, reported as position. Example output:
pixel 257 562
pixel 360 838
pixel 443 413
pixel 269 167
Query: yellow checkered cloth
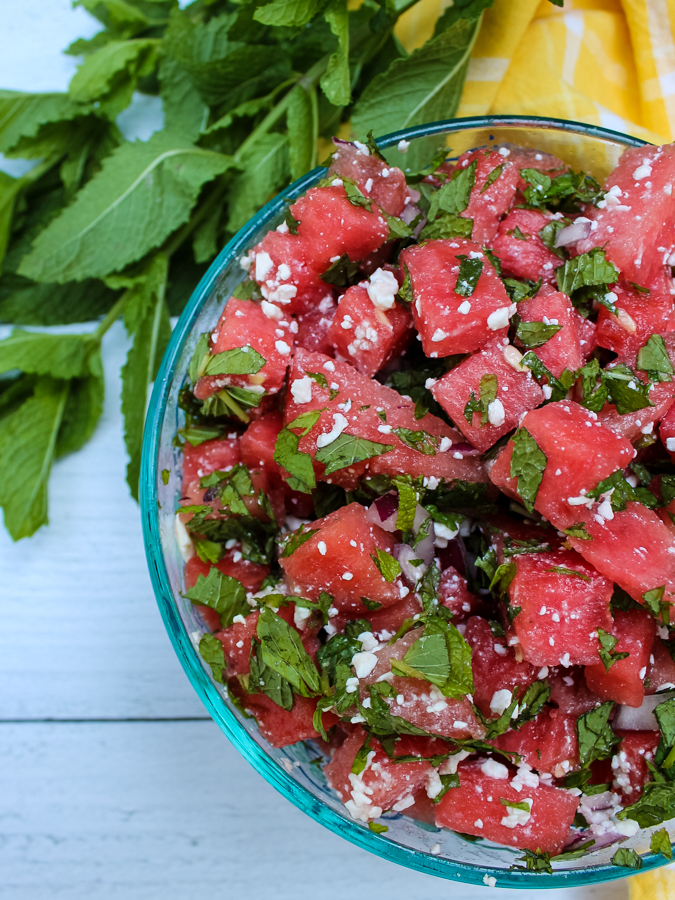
pixel 607 62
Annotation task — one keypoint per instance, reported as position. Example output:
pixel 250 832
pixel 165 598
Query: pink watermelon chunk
pixel 635 549
pixel 313 327
pixel 516 391
pixel 449 322
pixel 563 350
pixel 624 683
pixel 569 691
pixel 209 456
pixel 233 564
pixel 637 218
pixel 580 452
pixel 377 179
pixel 247 324
pixel 667 431
pixel 661 671
pixel 629 764
pixel 493 191
pixel 494 665
pixel 548 743
pixel 638 316
pixel 563 600
pixel 279 726
pixel 454 593
pixel 337 559
pixel 521 250
pixel 633 425
pixel 366 336
pixel 366 409
pixel 475 807
pixel 387 621
pixel 383 784
pixel 421 703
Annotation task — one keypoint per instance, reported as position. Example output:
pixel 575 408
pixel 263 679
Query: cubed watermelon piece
pixel 366 409
pixel 516 392
pixel 279 726
pixel 548 743
pixel 588 335
pixel 475 807
pixel 634 548
pixel 580 452
pixel 530 158
pixel 383 784
pixel 569 691
pixel 454 593
pixel 493 191
pixel 624 683
pixel 661 671
pixel 667 431
pixel 217 455
pixel 233 564
pixel 313 327
pixel 447 321
pixel 633 425
pixel 386 622
pixel 421 703
pixel 248 324
pixel 366 336
pixel 563 601
pixel 521 250
pixel 629 763
pixel 337 558
pixel 638 316
pixel 636 219
pixel 563 350
pixel 375 177
pixel 288 263
pixel 257 444
pixel 494 665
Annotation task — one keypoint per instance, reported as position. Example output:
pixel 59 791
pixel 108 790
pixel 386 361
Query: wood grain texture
pixel 170 810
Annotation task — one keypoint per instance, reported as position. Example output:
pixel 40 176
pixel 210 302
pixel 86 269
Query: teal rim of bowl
pixel 352 831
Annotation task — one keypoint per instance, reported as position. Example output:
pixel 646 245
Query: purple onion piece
pixel 577 231
pixel 465 449
pixel 384 511
pixel 601 840
pixel 641 719
pixel 453 555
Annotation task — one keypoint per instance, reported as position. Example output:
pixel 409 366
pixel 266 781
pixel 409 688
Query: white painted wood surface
pixel 144 808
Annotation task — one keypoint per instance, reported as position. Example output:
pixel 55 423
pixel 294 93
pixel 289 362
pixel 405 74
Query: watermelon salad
pixel 428 493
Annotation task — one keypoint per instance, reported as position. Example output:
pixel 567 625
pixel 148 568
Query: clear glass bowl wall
pixel 289 770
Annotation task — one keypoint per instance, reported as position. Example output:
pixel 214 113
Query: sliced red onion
pixel 426 547
pixel 410 213
pixel 577 231
pixel 453 555
pixel 384 511
pixel 597 802
pixel 404 553
pixel 465 449
pixel 641 719
pixel 601 840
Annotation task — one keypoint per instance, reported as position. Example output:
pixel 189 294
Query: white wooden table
pixel 113 781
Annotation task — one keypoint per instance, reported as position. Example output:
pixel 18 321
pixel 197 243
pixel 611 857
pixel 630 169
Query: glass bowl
pixel 290 770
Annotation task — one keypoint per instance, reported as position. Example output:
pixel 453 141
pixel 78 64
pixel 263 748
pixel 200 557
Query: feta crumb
pixel 364 663
pixel 382 289
pixel 282 348
pixel 263 266
pixel 489 880
pixel 504 151
pixel 464 308
pixel 478 823
pixel 270 310
pixel 240 619
pixel 496 414
pixel 362 148
pixel 435 849
pixel 402 146
pixel 321 547
pixel 301 389
pixel 547 391
pixel 501 700
pixel 643 171
pixel 351 685
pixel 300 616
pixel 339 425
pixel 445 444
pixel 347 576
pixel 439 335
pixel 498 319
pixel 494 769
pixel 670 445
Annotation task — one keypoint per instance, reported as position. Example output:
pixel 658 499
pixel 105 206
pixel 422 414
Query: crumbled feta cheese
pixel 351 685
pixel 368 641
pixel 364 663
pixel 517 816
pixel 321 547
pixel 464 308
pixel 347 576
pixel 643 171
pixel 263 265
pixel 270 310
pixel 339 425
pixel 382 289
pixel 301 389
pixel 494 769
pixel 496 414
pixel 500 317
pixel 489 880
pixel 402 146
pixel 445 444
pixel 300 616
pixel 501 700
pixel 442 531
pixel 362 148
pixel 282 348
pixel 439 335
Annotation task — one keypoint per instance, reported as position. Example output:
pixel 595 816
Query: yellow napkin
pixel 607 62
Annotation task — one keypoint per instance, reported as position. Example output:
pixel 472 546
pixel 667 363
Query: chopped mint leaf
pixel 291 222
pixel 199 358
pixel 348 449
pixel 594 389
pixel 341 273
pixel 564 192
pixel 224 594
pixel 572 573
pixel 211 651
pixel 595 735
pixel 165 476
pixel 361 758
pixel 306 421
pixel 627 858
pixel 653 359
pixel 445 227
pixel 518 234
pixel 355 195
pixel 521 290
pixel 453 197
pixel 238 361
pixel 528 463
pixel 409 492
pixel 264 679
pixel 660 843
pixel 492 177
pixel 388 566
pixel 428 658
pixel 295 462
pixel 487 392
pixel 608 654
pixel 376 828
pixel 589 270
pixel 296 539
pixel 283 652
pixel 656 805
pixel 657 606
pixel 535 334
pixel 549 234
pixel 467 278
pixel 405 292
pixel 626 390
pixel 421 441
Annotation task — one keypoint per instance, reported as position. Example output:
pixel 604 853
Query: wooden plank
pixel 80 632
pixel 170 810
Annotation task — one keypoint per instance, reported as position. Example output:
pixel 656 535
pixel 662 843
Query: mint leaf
pixel 283 652
pixel 220 592
pixel 388 566
pixel 487 392
pixel 492 177
pixel 607 653
pixel 421 441
pixel 238 361
pixel 263 679
pixel 292 13
pixel 596 738
pixel 445 227
pixel 336 81
pixel 656 805
pixel 570 573
pixel 660 843
pixel 341 273
pixel 535 334
pixel 265 169
pixel 58 355
pixel 565 191
pixel 348 449
pixel 110 74
pixel 296 539
pixel 591 269
pixel 626 391
pixel 627 858
pixel 295 462
pixel 28 440
pixel 428 658
pixel 528 463
pixel 653 358
pixel 470 271
pixel 23 114
pixel 184 110
pixel 301 118
pixel 114 219
pixel 211 651
pixel 453 196
pixel 408 498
